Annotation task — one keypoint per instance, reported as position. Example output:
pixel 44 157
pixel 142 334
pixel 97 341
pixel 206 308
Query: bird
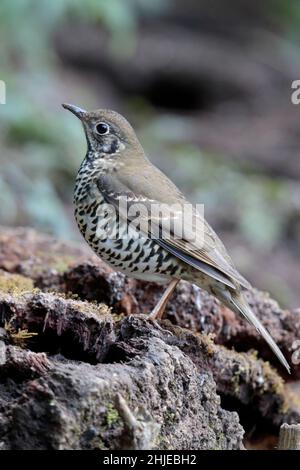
pixel 114 178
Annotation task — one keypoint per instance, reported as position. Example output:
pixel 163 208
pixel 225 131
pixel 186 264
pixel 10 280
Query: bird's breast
pixel 121 245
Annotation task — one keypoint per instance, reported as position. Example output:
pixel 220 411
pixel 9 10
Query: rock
pixel 99 375
pixel 68 400
pixel 192 308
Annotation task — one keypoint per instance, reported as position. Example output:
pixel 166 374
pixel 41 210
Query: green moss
pixel 68 295
pixel 162 442
pixel 208 341
pixel 221 440
pixel 238 376
pixel 18 337
pixel 58 262
pixel 273 382
pixel 99 444
pixel 88 307
pixel 112 415
pixel 117 317
pixel 203 341
pixel 62 265
pixel 170 417
pixel 15 283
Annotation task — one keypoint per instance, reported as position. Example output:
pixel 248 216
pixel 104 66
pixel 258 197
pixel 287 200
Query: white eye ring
pixel 102 128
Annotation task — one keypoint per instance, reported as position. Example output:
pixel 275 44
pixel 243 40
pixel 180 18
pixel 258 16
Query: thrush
pixel 115 174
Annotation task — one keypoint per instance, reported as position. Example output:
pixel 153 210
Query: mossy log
pixel 82 368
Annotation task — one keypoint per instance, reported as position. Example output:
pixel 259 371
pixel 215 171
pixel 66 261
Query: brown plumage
pixel 116 174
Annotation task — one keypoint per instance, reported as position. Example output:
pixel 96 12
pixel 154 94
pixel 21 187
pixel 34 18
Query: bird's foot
pixel 154 319
pixel 156 313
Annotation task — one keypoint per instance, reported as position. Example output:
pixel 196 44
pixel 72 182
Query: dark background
pixel 206 84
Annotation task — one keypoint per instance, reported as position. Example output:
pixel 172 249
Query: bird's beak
pixel 80 113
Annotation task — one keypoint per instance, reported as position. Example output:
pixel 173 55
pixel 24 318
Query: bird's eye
pixel 102 128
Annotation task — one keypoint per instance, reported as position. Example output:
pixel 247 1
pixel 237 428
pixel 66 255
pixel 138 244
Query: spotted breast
pixel 111 238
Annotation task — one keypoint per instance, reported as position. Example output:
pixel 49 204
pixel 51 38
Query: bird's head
pixel 107 133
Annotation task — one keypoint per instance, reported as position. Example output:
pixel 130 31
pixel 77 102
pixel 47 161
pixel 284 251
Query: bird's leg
pixel 159 308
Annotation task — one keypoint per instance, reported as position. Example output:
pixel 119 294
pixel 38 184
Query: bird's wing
pixel 188 237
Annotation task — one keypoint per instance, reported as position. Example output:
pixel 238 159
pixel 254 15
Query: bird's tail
pixel 239 304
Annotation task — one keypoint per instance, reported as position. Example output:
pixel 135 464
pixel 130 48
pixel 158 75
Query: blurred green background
pixel 206 84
